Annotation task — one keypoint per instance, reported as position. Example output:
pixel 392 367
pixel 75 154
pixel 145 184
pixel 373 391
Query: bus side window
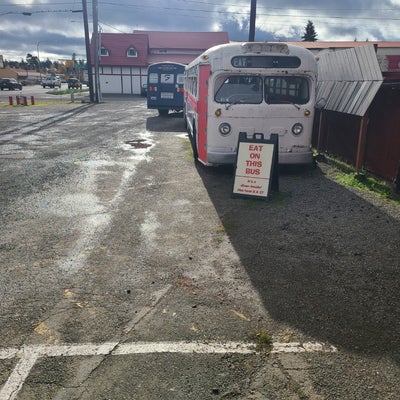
pixel 180 79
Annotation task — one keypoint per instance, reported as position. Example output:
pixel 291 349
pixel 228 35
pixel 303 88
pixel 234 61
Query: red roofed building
pixel 181 47
pixel 124 57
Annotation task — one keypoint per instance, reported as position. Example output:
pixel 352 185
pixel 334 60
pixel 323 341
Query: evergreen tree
pixel 309 35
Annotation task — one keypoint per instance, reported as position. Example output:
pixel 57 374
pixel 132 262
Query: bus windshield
pixel 240 89
pixel 245 89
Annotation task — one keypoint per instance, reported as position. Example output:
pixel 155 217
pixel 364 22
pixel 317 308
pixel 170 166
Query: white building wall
pixel 127 84
pixel 122 80
pixel 110 84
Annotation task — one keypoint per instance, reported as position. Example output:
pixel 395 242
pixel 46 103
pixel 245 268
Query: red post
pixel 33 100
pixel 362 140
pixel 10 100
pixel 17 98
pixel 25 100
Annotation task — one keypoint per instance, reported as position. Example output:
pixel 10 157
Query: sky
pixel 55 28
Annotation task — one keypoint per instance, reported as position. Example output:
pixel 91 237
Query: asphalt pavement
pixel 128 271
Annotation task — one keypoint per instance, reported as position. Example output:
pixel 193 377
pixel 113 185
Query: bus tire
pixel 163 112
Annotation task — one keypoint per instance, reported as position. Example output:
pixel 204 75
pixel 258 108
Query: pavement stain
pixel 138 143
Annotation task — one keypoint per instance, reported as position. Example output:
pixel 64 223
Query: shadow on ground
pixel 166 123
pixel 324 260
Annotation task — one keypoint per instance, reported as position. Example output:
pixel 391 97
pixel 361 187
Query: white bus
pixel 253 87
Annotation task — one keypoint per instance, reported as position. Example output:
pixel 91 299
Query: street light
pixel 38 57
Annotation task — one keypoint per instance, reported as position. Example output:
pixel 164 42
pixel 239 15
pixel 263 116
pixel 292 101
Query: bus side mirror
pixel 321 103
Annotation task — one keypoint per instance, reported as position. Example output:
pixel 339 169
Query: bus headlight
pixel 224 129
pixel 297 129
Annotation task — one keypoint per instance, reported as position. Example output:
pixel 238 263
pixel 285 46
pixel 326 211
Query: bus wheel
pixel 162 112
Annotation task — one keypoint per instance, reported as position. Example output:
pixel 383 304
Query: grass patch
pixel 188 150
pixel 67 91
pixel 40 103
pixel 346 175
pixel 263 341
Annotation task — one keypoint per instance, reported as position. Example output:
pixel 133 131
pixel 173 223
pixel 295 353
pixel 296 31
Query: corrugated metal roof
pixel 349 79
pixel 345 44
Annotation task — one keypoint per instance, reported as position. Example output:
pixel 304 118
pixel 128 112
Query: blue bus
pixel 165 87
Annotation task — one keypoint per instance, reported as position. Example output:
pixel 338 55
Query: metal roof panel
pixel 349 79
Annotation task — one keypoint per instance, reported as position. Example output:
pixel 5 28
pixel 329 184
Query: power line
pixel 40 11
pixel 285 8
pixel 329 9
pixel 258 13
pixel 233 13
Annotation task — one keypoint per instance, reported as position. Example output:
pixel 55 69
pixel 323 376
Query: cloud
pixel 59 31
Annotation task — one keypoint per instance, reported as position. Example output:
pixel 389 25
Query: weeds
pixel 263 341
pixel 346 175
pixel 67 91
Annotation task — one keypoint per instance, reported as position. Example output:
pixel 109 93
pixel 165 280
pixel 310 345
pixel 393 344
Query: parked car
pixel 74 83
pixel 51 81
pixel 10 84
pixel 30 80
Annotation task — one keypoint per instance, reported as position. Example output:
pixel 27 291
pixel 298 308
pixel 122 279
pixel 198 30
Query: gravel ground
pixel 315 262
pixel 324 259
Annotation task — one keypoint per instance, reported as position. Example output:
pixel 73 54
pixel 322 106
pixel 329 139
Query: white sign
pixel 167 78
pixel 253 169
pixel 167 95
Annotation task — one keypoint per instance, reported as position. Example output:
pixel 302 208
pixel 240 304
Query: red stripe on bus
pixel 204 74
pixel 191 101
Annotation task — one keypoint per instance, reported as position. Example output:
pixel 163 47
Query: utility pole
pixel 252 29
pixel 88 56
pixel 96 46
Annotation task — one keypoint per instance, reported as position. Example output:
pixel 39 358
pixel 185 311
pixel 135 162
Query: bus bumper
pixel 217 158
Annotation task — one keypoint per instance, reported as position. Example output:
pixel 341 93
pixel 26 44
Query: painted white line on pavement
pixel 185 347
pixel 17 378
pixel 28 355
pixel 8 353
pixel 308 347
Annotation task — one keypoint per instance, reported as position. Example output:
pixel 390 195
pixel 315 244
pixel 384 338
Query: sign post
pixel 256 171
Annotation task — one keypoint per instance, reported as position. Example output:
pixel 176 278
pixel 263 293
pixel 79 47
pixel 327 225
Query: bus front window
pixel 243 89
pixel 283 90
